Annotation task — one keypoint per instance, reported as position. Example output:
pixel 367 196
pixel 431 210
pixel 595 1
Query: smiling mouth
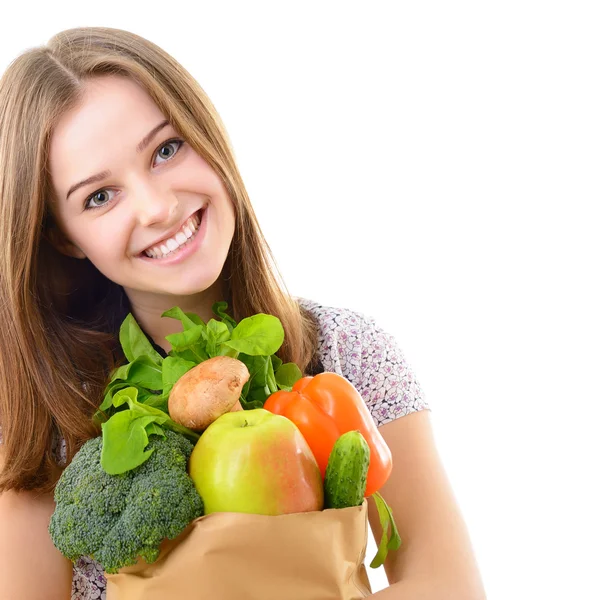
pixel 170 246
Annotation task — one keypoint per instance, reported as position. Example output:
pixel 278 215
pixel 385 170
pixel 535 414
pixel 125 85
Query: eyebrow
pixel 104 174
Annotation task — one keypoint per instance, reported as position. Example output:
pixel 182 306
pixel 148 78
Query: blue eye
pixel 98 199
pixel 166 152
pixel 168 146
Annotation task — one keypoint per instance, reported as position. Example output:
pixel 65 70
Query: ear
pixel 62 244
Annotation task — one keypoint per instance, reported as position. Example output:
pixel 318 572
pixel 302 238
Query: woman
pixel 118 193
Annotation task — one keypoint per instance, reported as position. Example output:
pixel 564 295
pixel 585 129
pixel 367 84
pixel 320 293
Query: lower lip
pixel 183 251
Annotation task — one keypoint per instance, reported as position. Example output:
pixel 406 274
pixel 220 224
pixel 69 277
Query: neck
pixel 147 310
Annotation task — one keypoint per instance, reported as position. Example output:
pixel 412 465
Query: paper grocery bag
pixel 232 556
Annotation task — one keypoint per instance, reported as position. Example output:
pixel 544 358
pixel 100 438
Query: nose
pixel 153 205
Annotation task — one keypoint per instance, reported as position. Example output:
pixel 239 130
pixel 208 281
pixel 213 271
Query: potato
pixel 208 391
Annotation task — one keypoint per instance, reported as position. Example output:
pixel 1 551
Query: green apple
pixel 253 461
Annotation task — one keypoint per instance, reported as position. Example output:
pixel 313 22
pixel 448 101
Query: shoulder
pixel 357 347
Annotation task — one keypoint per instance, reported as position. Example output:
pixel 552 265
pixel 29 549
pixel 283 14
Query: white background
pixel 435 165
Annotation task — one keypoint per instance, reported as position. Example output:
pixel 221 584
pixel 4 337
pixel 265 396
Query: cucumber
pixel 346 472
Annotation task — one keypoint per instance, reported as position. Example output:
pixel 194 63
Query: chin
pixel 190 287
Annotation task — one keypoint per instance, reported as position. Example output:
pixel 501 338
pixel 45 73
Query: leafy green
pixel 217 332
pixel 142 371
pixel 124 438
pixel 188 320
pixel 154 429
pixel 173 368
pixel 389 540
pixel 261 383
pixel 125 434
pixel 135 404
pixel 219 309
pixel 190 344
pixel 135 343
pixel 287 375
pixel 160 401
pixel 261 334
pixel 111 390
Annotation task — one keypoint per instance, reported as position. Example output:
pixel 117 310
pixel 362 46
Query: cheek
pixel 229 221
pixel 102 240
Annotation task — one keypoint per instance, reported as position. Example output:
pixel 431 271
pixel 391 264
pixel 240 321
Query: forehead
pixel 115 113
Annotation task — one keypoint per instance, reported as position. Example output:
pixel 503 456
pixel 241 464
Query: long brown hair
pixel 57 314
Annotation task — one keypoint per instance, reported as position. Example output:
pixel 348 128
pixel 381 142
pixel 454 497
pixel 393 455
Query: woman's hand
pixel 436 560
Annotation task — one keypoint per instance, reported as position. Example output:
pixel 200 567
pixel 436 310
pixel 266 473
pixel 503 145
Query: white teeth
pixel 188 230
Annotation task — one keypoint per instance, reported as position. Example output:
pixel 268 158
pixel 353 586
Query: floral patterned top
pixel 352 345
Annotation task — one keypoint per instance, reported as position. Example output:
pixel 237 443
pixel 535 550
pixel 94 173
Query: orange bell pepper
pixel 324 407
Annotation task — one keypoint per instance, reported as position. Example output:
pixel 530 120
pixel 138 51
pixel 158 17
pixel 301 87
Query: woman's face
pixel 134 198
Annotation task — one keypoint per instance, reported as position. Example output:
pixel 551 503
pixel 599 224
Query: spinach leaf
pixel 257 367
pixel 111 390
pixel 129 396
pixel 154 429
pixel 277 362
pixel 190 344
pixel 257 335
pixel 217 332
pixel 219 309
pixel 143 372
pixel 287 375
pixel 187 338
pixel 124 438
pixel 125 434
pixel 160 401
pixel 257 401
pixel 256 397
pixel 173 368
pixel 135 343
pixel 188 320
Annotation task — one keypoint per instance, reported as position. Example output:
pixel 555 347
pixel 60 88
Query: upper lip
pixel 172 232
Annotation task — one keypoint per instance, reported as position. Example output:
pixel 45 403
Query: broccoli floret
pixel 115 519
